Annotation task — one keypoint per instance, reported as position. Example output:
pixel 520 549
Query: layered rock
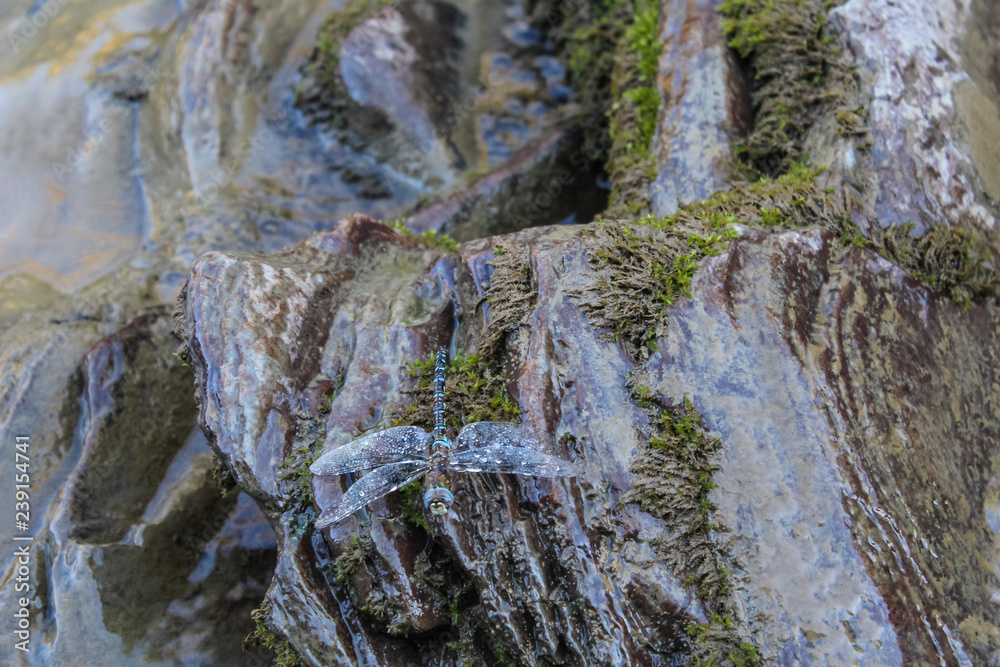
pixel 858 430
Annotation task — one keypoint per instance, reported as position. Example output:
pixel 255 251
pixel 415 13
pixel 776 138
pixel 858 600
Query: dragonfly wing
pixel 376 484
pixel 394 445
pixel 482 434
pixel 513 460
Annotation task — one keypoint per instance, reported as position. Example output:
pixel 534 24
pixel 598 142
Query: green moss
pixel 411 506
pixel 642 269
pixel 284 654
pixel 430 237
pixel 674 479
pixel 945 258
pixel 223 477
pixel 613 53
pixel 644 266
pixel 510 295
pixel 713 645
pixel 632 117
pixel 294 473
pixel 474 393
pixel 798 78
pixel 352 559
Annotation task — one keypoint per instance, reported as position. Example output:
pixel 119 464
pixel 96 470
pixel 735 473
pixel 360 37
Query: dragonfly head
pixel 438 500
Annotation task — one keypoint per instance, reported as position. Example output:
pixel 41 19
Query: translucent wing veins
pixel 370 488
pixel 513 460
pixel 394 445
pixel 481 434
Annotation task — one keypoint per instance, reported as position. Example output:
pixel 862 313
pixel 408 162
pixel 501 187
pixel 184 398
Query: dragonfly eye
pixel 438 500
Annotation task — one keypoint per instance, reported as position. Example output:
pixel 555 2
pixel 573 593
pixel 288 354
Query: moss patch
pixel 307 445
pixel 475 392
pixel 673 482
pixel 284 654
pixel 613 50
pixel 643 266
pixel 511 295
pixel 430 237
pixel 798 78
pixel 222 476
pixel 633 113
pixel 945 259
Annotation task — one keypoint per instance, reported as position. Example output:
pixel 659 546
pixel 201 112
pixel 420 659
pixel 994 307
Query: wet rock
pixel 384 69
pixel 430 88
pixel 858 413
pixel 551 179
pixel 135 554
pixel 357 303
pixel 345 308
pixel 705 106
pixel 933 128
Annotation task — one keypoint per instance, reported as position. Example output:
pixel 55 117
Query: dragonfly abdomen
pixel 440 444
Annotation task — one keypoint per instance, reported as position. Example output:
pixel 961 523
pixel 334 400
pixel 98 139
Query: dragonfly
pixel 400 455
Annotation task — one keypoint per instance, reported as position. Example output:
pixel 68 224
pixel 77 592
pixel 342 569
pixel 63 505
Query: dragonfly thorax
pixel 440 447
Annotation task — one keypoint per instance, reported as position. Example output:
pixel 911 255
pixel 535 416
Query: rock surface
pixel 934 128
pixel 136 556
pixel 551 179
pixel 705 107
pixel 860 430
pixel 858 410
pixel 861 420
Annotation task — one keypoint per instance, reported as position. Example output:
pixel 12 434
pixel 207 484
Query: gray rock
pixel 935 130
pixel 858 428
pixel 706 106
pixel 859 413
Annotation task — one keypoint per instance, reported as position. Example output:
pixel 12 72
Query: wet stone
pixel 138 557
pixel 858 428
